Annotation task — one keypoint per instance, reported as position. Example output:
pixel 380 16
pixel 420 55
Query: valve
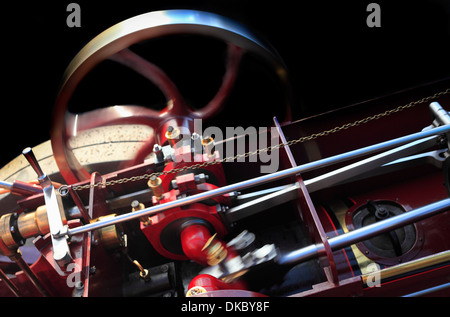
pixel 155 184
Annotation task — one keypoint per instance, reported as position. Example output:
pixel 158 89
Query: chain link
pixel 269 148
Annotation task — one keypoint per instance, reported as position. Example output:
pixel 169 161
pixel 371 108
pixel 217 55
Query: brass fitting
pixel 208 145
pixel 8 247
pixel 111 237
pixel 173 135
pixel 35 223
pixel 135 206
pixel 143 273
pixel 16 228
pixel 155 184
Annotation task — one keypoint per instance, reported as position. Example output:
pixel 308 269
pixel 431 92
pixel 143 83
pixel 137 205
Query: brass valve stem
pixel 208 145
pixel 135 206
pixel 173 135
pixel 155 184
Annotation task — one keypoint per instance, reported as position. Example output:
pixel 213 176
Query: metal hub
pixel 391 244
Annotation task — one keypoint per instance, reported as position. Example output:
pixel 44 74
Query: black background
pixel 334 59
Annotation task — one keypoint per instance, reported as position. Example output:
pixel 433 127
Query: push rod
pixel 5 185
pixel 258 180
pixel 13 288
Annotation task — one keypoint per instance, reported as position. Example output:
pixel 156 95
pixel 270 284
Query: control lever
pixel 61 251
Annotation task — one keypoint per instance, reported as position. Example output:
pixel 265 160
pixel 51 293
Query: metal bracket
pixel 55 210
pixel 440 117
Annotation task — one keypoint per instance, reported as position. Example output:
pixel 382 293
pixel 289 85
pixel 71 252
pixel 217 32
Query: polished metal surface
pixel 31 158
pixel 440 114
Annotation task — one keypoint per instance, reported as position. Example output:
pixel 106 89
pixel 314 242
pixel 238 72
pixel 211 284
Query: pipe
pixel 366 232
pixel 258 180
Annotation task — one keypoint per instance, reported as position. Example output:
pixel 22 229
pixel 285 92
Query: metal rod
pixel 432 260
pixel 5 185
pixel 31 158
pixel 366 232
pixel 31 276
pixel 13 288
pixel 362 167
pixel 259 180
pixel 429 291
